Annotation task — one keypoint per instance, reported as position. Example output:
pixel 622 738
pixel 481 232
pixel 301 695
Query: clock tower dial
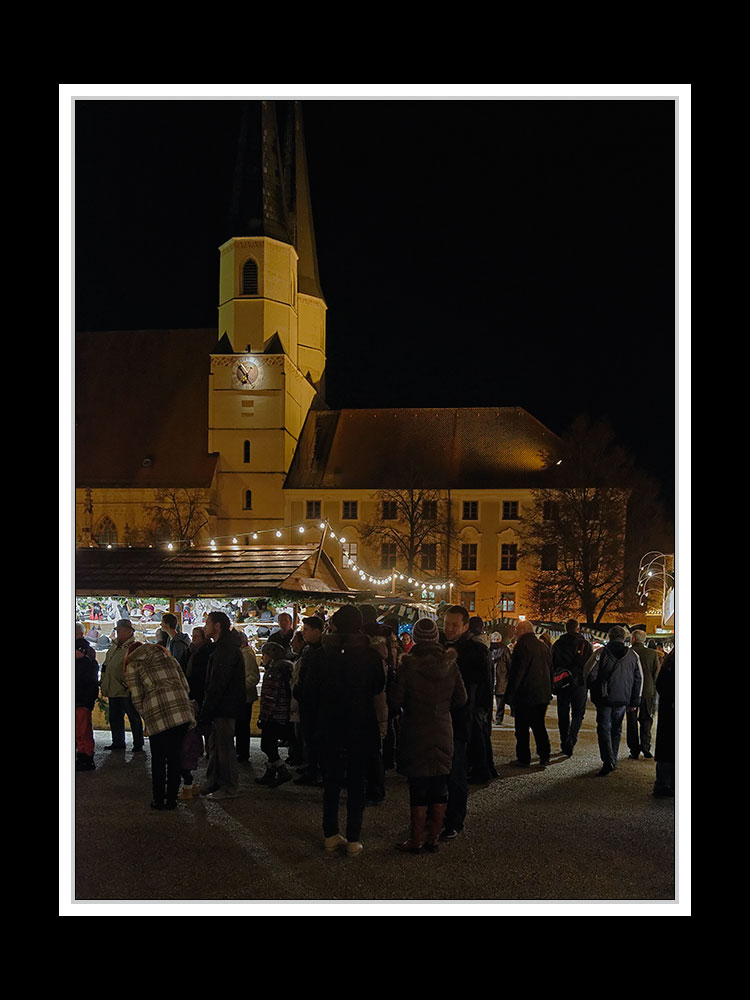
pixel 245 374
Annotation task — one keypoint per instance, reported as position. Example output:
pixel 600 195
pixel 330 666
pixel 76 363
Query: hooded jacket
pixel 428 686
pixel 572 652
pixel 275 691
pixel 224 697
pixel 86 676
pixel 615 677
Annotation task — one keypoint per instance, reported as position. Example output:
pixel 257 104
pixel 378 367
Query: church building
pixel 223 436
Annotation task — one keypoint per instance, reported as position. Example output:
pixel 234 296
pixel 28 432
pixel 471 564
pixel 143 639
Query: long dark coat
pixel 427 686
pixel 530 675
pixel 664 749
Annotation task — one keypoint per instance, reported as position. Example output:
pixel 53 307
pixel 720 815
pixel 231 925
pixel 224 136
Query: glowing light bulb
pixel 234 541
pixel 168 546
pixel 301 530
pixel 255 534
pixel 278 534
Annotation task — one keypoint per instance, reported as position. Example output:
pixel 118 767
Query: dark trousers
pixel 344 768
pixel 500 714
pixel 166 758
pixel 375 785
pixel 608 731
pixel 428 791
pixel 531 718
pixel 571 708
pixel 639 726
pixel 458 788
pixel 242 727
pixel 118 709
pixel 270 735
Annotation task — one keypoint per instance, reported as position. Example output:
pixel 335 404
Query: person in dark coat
pixel 197 665
pixel 273 718
pixel 346 689
pixel 665 739
pixel 529 693
pixel 615 680
pixel 571 652
pixel 427 687
pixel 86 693
pixel 639 724
pixel 223 704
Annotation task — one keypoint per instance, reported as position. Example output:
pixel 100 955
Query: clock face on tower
pixel 245 374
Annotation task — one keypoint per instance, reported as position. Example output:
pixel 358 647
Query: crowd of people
pixel 350 699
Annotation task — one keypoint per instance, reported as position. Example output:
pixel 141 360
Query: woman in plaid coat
pixel 159 691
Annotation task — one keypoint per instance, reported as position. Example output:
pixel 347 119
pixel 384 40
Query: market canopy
pixel 232 571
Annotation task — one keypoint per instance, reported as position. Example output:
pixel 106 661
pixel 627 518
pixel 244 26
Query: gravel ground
pixel 539 835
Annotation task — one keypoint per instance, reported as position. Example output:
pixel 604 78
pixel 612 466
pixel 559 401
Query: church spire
pixel 271 190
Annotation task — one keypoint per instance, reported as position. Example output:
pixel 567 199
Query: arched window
pixel 106 533
pixel 250 277
pixel 246 452
pixel 248 499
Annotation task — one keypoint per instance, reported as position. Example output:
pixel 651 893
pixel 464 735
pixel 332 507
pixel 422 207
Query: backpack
pixel 561 679
pixel 599 687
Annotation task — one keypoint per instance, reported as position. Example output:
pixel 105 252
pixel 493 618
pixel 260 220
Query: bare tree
pixel 577 529
pixel 178 515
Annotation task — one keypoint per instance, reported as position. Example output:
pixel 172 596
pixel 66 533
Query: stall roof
pixel 234 571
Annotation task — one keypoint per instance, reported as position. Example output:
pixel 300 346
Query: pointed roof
pixel 224 346
pixel 271 192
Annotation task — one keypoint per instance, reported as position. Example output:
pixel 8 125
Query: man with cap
pixel 347 698
pixel 312 634
pixel 114 688
pixel 615 680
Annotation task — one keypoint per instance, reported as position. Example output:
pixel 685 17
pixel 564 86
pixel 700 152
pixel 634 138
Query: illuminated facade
pixel 247 434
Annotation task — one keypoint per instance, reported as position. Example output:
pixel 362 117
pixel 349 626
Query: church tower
pixel 269 364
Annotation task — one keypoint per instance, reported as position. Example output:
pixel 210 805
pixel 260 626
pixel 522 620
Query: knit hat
pixel 425 630
pixel 347 619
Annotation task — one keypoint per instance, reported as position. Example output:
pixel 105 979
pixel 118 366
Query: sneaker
pixel 354 848
pixel 221 793
pixel 333 843
pixel 449 834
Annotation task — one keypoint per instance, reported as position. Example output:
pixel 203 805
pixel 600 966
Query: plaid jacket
pixel 158 689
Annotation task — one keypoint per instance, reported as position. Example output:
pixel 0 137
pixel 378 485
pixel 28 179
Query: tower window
pixel 248 499
pixel 250 277
pixel 246 451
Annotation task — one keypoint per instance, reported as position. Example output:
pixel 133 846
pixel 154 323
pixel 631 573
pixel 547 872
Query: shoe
pixel 606 770
pixel 648 755
pixel 206 789
pixel 374 802
pixel 544 761
pixel 221 793
pixel 449 834
pixel 266 779
pixel 415 843
pixel 138 750
pixel 115 746
pixel 279 776
pixel 435 820
pixel 633 756
pixel 354 848
pixel 85 763
pixel 157 805
pixel 333 843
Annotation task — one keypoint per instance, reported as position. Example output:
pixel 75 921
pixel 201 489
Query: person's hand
pixel 79 654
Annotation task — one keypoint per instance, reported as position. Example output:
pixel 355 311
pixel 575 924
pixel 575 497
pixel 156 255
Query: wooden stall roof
pixel 232 571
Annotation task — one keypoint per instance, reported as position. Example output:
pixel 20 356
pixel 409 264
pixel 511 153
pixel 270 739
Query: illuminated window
pixel 349 551
pixel 508 601
pixel 509 556
pixel 250 277
pixel 469 556
pixel 471 510
pixel 510 510
pixel 468 599
pixel 349 510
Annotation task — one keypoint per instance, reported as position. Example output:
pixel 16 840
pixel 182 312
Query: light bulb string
pixel 323 527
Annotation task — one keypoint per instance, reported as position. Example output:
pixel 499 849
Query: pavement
pixel 551 835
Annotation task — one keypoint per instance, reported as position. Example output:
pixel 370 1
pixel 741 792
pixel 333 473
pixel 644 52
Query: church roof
pixel 271 191
pixel 141 408
pixel 465 448
pixel 241 571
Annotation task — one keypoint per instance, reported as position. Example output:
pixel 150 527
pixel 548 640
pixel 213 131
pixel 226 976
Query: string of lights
pixel 390 578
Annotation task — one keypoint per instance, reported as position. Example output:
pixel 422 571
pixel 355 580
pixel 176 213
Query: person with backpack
pixel 178 643
pixel 570 654
pixel 615 680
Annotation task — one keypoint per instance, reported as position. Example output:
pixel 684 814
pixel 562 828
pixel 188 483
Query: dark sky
pixel 480 252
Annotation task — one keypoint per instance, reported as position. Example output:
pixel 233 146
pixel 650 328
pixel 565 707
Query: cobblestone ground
pixel 534 835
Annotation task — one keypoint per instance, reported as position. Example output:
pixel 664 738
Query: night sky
pixel 471 252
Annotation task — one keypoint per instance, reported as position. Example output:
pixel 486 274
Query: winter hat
pixel 425 630
pixel 347 619
pixel 274 650
pixel 496 637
